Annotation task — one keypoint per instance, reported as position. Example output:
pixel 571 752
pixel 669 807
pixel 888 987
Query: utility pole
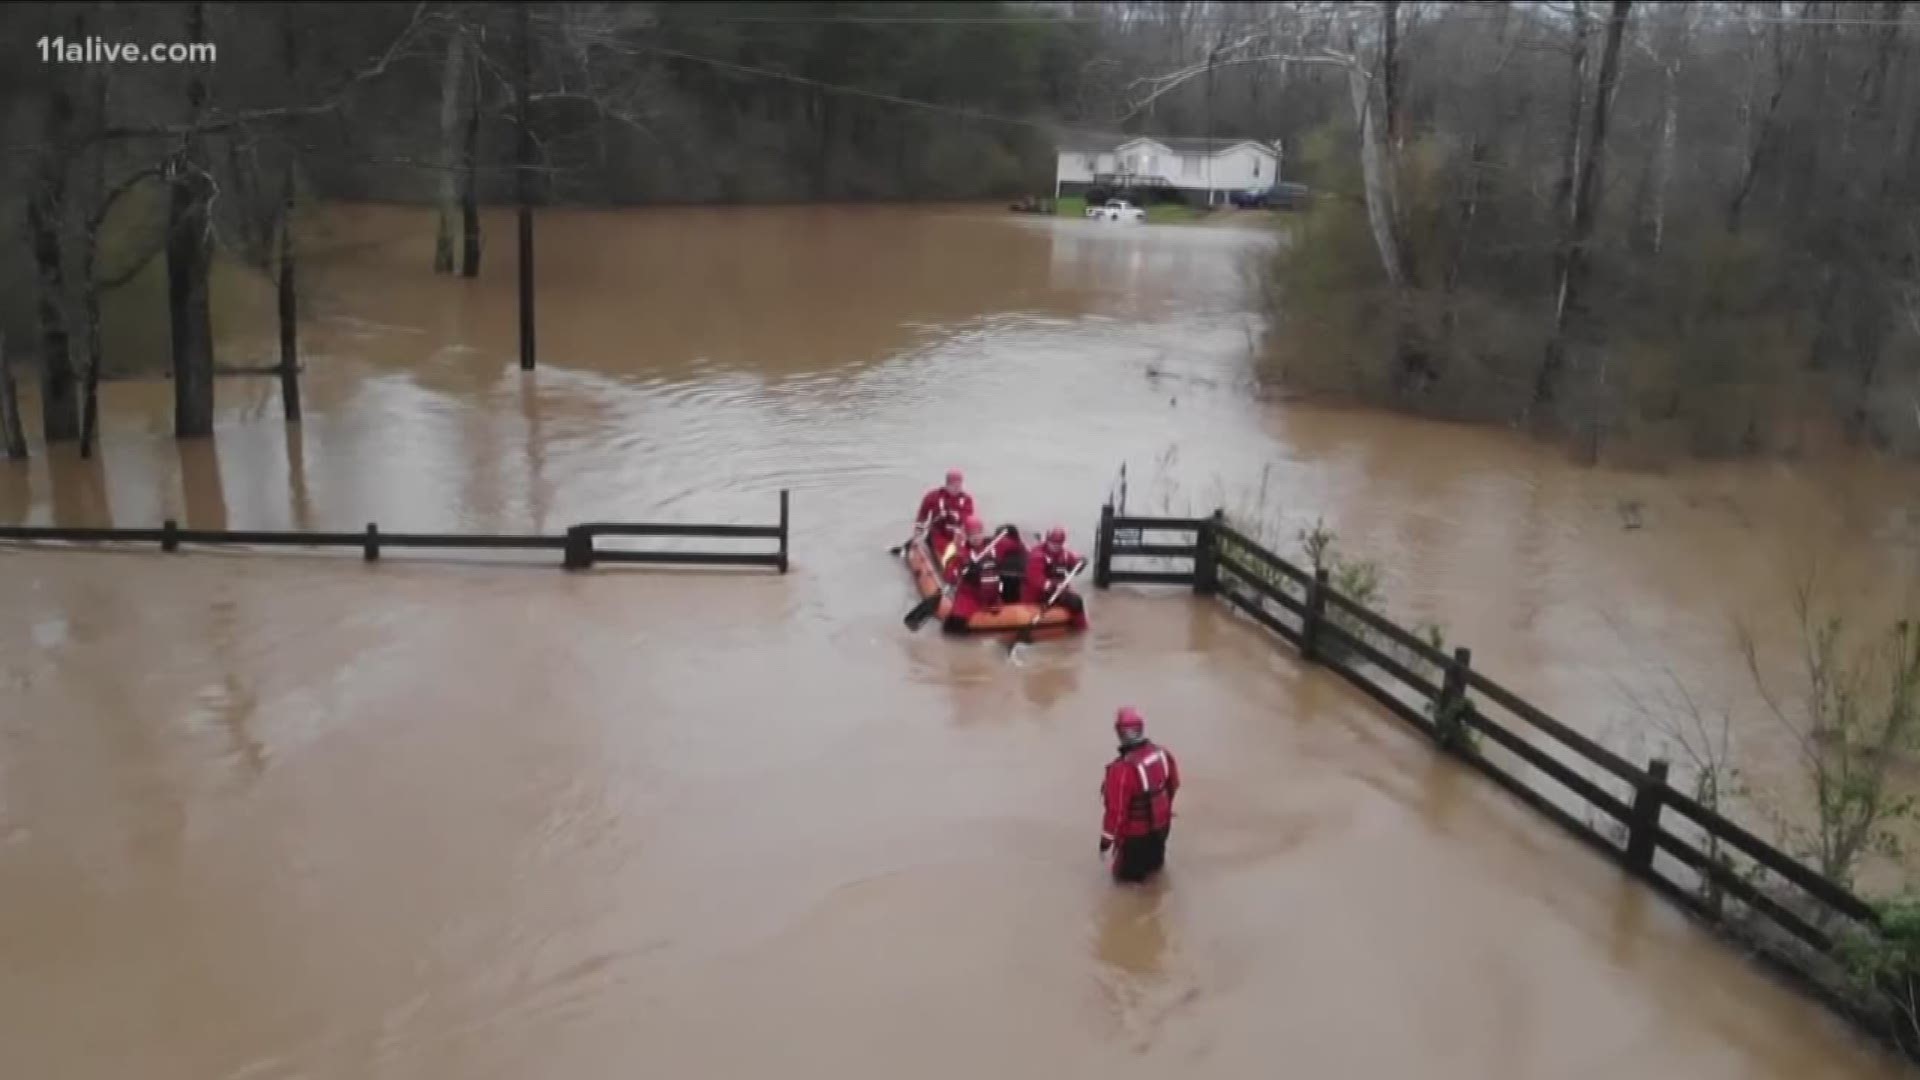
pixel 523 185
pixel 1213 57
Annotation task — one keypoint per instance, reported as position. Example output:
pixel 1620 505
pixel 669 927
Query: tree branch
pixel 131 270
pixel 1161 85
pixel 214 124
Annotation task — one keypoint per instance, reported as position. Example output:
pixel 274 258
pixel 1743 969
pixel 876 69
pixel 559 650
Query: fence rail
pixel 1559 771
pixel 577 545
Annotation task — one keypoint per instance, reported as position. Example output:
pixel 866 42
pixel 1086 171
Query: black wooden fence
pixel 577 545
pixel 1687 851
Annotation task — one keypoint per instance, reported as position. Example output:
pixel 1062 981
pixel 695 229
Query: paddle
pixel 919 530
pixel 1025 637
pixel 924 610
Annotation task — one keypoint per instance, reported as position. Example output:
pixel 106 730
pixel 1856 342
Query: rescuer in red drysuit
pixel 1138 794
pixel 942 513
pixel 1010 558
pixel 975 575
pixel 1048 565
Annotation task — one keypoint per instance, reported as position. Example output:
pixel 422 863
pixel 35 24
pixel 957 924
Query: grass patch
pixel 1075 206
pixel 1173 214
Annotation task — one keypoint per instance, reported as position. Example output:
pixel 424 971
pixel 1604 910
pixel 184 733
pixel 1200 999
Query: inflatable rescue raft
pixel 1010 617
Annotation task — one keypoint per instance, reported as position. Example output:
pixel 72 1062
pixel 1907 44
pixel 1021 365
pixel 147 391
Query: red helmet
pixel 1129 725
pixel 975 528
pixel 954 479
pixel 1056 536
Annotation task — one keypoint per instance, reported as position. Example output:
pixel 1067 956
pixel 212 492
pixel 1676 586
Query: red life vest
pixel 1138 792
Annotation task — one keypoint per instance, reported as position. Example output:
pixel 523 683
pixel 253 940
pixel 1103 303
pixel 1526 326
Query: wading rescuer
pixel 942 513
pixel 975 574
pixel 1048 565
pixel 1138 793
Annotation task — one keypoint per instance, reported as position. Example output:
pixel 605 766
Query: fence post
pixel 1316 614
pixel 1648 798
pixel 579 549
pixel 1206 577
pixel 1449 709
pixel 169 535
pixel 370 550
pixel 1103 549
pixel 783 530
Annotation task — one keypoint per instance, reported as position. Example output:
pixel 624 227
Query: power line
pixel 1456 13
pixel 1050 127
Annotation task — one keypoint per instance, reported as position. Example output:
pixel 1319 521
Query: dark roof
pixel 1201 145
pixel 1095 144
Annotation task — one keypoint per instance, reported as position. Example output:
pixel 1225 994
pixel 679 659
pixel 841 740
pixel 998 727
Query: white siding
pixel 1243 168
pixel 1146 157
pixel 1239 168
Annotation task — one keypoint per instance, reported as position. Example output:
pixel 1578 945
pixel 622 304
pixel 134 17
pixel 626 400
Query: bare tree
pixel 93 287
pixel 1571 142
pixel 1272 47
pixel 1574 258
pixel 191 191
pixel 46 208
pixel 11 433
pixel 454 81
pixel 470 184
pixel 523 177
pixel 286 291
pixel 1668 52
pixel 1785 50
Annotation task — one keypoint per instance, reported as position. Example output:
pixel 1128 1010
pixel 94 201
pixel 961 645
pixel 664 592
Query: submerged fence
pixel 1789 914
pixel 577 545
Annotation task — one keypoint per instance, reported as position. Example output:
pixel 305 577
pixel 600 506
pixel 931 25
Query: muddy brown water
pixel 296 816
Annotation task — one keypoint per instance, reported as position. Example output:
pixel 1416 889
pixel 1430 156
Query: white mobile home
pixel 1206 170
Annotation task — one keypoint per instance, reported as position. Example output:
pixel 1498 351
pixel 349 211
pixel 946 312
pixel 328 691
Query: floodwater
pixel 268 816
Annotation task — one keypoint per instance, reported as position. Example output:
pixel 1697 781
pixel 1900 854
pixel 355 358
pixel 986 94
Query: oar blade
pixel 1024 637
pixel 922 611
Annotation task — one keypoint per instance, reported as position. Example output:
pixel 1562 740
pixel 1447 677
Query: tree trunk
pixel 1874 251
pixel 46 209
pixel 1574 260
pixel 90 304
pixel 1763 137
pixel 11 432
pixel 1390 69
pixel 1375 183
pixel 189 310
pixel 1576 102
pixel 453 79
pixel 288 298
pixel 470 188
pixel 101 200
pixel 1469 213
pixel 523 186
pixel 287 294
pixel 189 266
pixel 1663 155
pixel 1479 161
pixel 58 407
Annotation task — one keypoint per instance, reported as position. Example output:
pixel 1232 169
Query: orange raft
pixel 1009 617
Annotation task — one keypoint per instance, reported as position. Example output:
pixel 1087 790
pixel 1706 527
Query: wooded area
pixel 1664 225
pixel 1661 228
pixel 114 168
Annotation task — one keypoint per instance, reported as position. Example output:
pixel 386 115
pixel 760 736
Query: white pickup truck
pixel 1117 210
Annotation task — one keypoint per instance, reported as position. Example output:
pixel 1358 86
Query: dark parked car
pixel 1282 196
